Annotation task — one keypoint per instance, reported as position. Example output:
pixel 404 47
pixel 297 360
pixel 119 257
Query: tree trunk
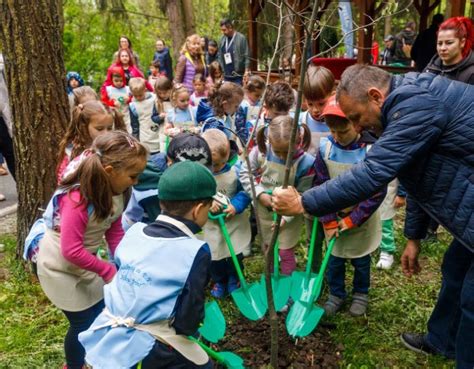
pixel 288 35
pixel 33 47
pixel 174 11
pixel 387 26
pixel 188 15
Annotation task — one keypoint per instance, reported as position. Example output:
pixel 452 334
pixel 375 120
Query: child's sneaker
pixel 218 291
pixel 232 284
pixel 359 304
pixel 333 305
pixel 385 261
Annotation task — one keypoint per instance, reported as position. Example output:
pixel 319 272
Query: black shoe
pixel 417 342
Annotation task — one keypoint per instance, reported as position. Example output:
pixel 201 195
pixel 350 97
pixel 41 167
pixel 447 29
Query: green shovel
pixel 213 327
pixel 229 359
pixel 304 316
pixel 303 282
pixel 248 297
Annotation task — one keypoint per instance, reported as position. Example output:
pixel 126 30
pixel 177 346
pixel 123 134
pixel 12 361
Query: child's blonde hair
pixel 117 149
pixel 217 141
pixel 319 83
pixel 136 85
pixel 190 39
pixel 177 89
pixel 279 130
pixel 77 132
pixel 224 91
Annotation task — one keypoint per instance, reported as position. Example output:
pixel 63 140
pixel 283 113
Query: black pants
pixel 221 270
pixel 6 147
pixel 79 321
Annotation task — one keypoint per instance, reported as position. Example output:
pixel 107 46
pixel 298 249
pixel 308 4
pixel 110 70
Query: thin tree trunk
pixel 174 11
pixel 188 15
pixel 387 26
pixel 33 47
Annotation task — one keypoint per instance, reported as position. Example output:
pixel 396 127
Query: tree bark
pixel 188 15
pixel 174 11
pixel 33 48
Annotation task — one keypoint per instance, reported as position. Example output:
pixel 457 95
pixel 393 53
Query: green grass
pixel 33 329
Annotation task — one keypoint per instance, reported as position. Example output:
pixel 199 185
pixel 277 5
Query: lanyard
pixel 229 44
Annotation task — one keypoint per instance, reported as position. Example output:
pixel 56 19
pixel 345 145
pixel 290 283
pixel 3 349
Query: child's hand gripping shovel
pixel 248 297
pixel 304 316
pixel 213 327
pixel 229 359
pixel 281 284
pixel 303 282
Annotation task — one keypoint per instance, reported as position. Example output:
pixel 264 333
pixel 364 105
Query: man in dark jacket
pixel 424 46
pixel 403 44
pixel 426 128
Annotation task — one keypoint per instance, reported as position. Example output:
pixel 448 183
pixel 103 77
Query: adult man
pixel 387 55
pixel 426 128
pixel 233 53
pixel 424 46
pixel 403 43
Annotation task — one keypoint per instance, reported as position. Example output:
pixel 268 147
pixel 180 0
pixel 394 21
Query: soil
pixel 251 341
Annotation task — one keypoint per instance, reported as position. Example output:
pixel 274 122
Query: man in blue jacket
pixel 425 125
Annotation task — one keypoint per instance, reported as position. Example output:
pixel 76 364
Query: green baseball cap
pixel 186 181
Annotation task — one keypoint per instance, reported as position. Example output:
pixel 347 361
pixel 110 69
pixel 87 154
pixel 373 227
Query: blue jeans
pixel 451 325
pixel 79 321
pixel 336 275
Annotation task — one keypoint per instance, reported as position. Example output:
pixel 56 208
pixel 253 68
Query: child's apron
pixel 238 226
pixel 315 136
pixel 69 287
pixel 358 241
pixel 387 210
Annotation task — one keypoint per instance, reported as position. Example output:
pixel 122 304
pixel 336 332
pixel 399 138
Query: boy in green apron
pixel 357 228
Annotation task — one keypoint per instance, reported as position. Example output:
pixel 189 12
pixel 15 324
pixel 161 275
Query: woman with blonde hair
pixel 190 62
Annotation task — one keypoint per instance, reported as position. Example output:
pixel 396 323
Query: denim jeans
pixel 79 321
pixel 451 325
pixel 336 275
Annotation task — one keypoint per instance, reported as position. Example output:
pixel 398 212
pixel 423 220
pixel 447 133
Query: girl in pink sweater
pixel 87 206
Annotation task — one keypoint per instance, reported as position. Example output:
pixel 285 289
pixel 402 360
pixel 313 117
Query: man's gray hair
pixel 357 79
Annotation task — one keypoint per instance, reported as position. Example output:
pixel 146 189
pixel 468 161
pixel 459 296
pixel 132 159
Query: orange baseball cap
pixel 333 108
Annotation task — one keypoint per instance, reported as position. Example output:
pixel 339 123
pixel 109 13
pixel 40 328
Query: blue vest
pixel 151 276
pixel 340 155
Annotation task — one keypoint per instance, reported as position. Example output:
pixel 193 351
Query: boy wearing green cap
pixel 157 297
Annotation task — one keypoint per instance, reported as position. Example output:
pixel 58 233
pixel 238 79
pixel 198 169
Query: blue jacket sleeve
pixel 416 221
pixel 155 116
pixel 241 200
pixel 401 191
pixel 414 120
pixel 189 310
pixel 134 122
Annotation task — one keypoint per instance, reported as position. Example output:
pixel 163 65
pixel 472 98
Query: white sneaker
pixel 385 261
pixel 2 197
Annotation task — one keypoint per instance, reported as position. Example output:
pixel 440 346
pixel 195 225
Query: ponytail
pixel 262 140
pixel 305 137
pixel 463 28
pixel 223 91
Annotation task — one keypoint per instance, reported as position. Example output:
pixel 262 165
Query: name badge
pixel 228 58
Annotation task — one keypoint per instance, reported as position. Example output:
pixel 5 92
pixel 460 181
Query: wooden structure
pixel 368 10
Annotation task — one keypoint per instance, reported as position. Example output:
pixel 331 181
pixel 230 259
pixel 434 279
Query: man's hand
pixel 409 258
pixel 287 202
pixel 399 202
pixel 265 200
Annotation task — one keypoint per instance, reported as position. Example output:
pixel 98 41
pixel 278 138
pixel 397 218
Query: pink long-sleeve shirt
pixel 74 219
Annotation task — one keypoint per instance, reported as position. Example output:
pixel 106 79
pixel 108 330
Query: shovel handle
pixel 209 351
pixel 276 259
pixel 314 233
pixel 319 278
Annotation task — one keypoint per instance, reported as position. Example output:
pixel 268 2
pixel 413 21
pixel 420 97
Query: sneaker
pixel 233 284
pixel 417 342
pixel 359 304
pixel 385 261
pixel 333 305
pixel 2 197
pixel 218 291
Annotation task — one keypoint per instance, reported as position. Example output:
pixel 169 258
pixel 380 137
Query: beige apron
pixel 237 226
pixel 387 210
pixel 273 174
pixel 162 330
pixel 358 241
pixel 69 287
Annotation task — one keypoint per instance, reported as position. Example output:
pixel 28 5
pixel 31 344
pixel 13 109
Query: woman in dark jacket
pixel 455 57
pixel 162 54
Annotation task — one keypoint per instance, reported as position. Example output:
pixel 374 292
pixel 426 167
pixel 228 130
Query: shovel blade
pixel 231 360
pixel 281 287
pixel 302 287
pixel 249 301
pixel 303 319
pixel 213 327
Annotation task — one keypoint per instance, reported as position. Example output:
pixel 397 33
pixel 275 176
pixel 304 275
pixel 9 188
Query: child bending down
pixel 223 272
pixel 358 227
pixel 157 297
pixel 267 162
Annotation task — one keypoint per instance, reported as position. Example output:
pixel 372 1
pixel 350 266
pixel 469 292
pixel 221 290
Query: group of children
pixel 182 159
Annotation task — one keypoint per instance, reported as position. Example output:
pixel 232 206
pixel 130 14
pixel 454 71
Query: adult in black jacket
pixel 425 44
pixel 403 42
pixel 425 125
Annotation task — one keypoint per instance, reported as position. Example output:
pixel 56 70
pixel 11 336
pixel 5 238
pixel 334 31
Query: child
pixel 80 95
pixel 253 92
pixel 181 117
pixel 74 80
pixel 267 162
pixel 227 177
pixel 89 120
pixel 144 201
pixel 200 89
pixel 118 95
pixel 141 111
pixel 86 207
pixel 360 224
pixel 157 298
pixel 155 72
pixel 216 75
pixel 163 87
